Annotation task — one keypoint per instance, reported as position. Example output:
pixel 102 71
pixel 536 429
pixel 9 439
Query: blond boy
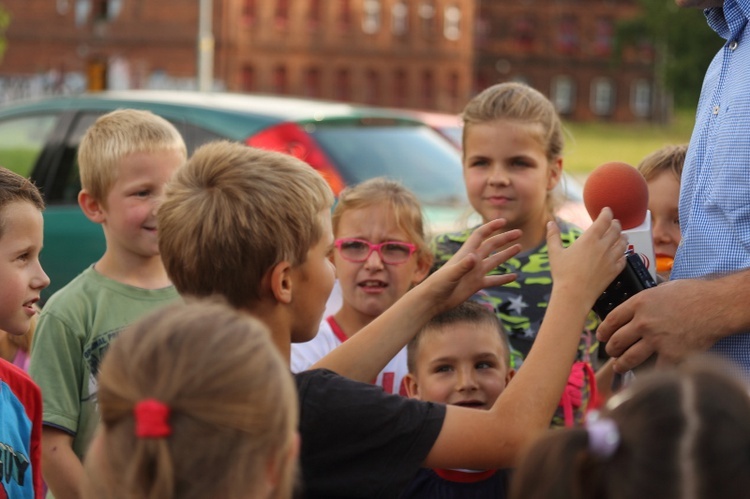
pixel 255 227
pixel 21 282
pixel 125 158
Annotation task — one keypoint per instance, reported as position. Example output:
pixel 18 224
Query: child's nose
pixel 41 279
pixel 374 261
pixel 467 380
pixel 498 176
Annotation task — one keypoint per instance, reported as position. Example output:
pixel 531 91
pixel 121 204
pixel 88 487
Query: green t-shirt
pixel 74 331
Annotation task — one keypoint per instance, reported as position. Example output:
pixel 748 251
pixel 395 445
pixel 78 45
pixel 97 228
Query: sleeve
pixel 442 249
pixel 357 439
pixel 35 413
pixel 304 355
pixel 56 366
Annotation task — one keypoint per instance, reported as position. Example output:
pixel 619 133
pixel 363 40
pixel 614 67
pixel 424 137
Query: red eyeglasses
pixel 390 252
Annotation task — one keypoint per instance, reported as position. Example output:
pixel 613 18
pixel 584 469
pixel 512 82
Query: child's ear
pixel 423 268
pixel 555 173
pixel 91 207
pixel 280 277
pixel 412 387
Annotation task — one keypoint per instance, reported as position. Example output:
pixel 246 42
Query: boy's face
pixel 21 273
pixel 129 216
pixel 312 283
pixel 663 200
pixel 462 364
pixel 370 287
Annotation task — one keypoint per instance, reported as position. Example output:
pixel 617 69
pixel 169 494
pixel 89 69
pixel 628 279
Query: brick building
pixel 426 54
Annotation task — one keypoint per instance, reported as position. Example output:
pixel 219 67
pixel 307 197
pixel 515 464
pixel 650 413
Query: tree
pixel 4 23
pixel 683 42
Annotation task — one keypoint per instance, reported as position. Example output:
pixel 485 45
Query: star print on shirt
pixel 517 304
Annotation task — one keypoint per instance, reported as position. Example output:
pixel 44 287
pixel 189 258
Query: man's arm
pixel 62 470
pixel 366 353
pixel 677 318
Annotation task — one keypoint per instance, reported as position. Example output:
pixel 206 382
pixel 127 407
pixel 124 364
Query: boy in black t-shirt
pixel 254 226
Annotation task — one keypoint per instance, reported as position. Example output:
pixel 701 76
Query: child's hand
pixel 593 261
pixel 466 272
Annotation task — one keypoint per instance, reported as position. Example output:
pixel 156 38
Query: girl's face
pixel 508 175
pixel 370 287
pixel 663 199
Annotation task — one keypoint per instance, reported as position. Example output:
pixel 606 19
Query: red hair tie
pixel 152 419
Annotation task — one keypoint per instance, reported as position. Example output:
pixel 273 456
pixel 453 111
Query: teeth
pixel 372 284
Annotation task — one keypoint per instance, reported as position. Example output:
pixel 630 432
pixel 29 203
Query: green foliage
pixel 4 23
pixel 683 41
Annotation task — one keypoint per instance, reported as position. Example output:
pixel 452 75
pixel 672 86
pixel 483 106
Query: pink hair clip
pixel 152 419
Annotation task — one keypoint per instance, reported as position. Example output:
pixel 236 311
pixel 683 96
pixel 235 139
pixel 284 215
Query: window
pixel 523 33
pixel 567 35
pixel 640 98
pixel 248 78
pixel 427 18
pixel 248 12
pixel 281 16
pixel 563 94
pixel 371 16
pixel 345 15
pixel 22 141
pixel 400 18
pixel 279 80
pixel 428 89
pixel 399 88
pixel 452 23
pixel 603 37
pixel 343 85
pixel 602 96
pixel 82 11
pixel 313 15
pixel 312 82
pixel 372 87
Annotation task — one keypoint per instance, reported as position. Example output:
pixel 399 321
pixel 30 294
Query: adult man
pixel 705 306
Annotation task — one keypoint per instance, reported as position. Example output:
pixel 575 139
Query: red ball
pixel 622 188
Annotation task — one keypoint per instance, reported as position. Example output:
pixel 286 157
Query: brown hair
pixel 14 188
pixel 232 213
pixel 232 400
pixel 116 135
pixel 403 203
pixel 687 428
pixel 669 158
pixel 468 312
pixel 519 103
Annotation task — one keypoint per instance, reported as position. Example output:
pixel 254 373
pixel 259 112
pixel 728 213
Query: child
pixel 15 347
pixel 195 402
pixel 461 357
pixel 263 242
pixel 126 158
pixel 662 170
pixel 676 433
pixel 512 160
pixel 21 282
pixel 376 212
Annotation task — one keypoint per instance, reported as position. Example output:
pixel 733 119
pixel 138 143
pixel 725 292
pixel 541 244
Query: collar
pixel 729 20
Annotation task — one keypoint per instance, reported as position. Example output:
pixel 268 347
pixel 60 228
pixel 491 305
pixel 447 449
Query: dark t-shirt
pixel 357 440
pixel 456 484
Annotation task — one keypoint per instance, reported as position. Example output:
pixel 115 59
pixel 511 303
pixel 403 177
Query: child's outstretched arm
pixel 492 439
pixel 365 354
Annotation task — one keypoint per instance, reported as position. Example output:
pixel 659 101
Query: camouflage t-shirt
pixel 520 305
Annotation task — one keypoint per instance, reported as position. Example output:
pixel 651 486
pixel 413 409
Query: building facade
pixel 422 54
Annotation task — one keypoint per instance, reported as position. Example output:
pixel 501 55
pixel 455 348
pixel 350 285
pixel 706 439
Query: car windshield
pixel 414 155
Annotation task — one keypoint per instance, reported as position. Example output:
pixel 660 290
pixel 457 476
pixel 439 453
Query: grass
pixel 588 145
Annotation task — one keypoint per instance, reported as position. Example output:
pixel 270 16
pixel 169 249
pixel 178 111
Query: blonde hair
pixel 403 203
pixel 232 400
pixel 116 135
pixel 519 103
pixel 232 213
pixel 14 188
pixel 669 158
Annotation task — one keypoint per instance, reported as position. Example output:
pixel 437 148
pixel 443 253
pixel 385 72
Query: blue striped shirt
pixel 715 192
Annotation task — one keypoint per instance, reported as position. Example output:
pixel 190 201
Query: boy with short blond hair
pixel 358 441
pixel 125 158
pixel 21 282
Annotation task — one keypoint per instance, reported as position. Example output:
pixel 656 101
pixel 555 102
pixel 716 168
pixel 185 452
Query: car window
pixel 414 155
pixel 23 139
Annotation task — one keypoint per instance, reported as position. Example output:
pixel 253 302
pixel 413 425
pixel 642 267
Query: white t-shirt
pixel 329 336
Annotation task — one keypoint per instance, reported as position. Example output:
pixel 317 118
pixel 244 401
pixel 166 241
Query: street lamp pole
pixel 205 46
